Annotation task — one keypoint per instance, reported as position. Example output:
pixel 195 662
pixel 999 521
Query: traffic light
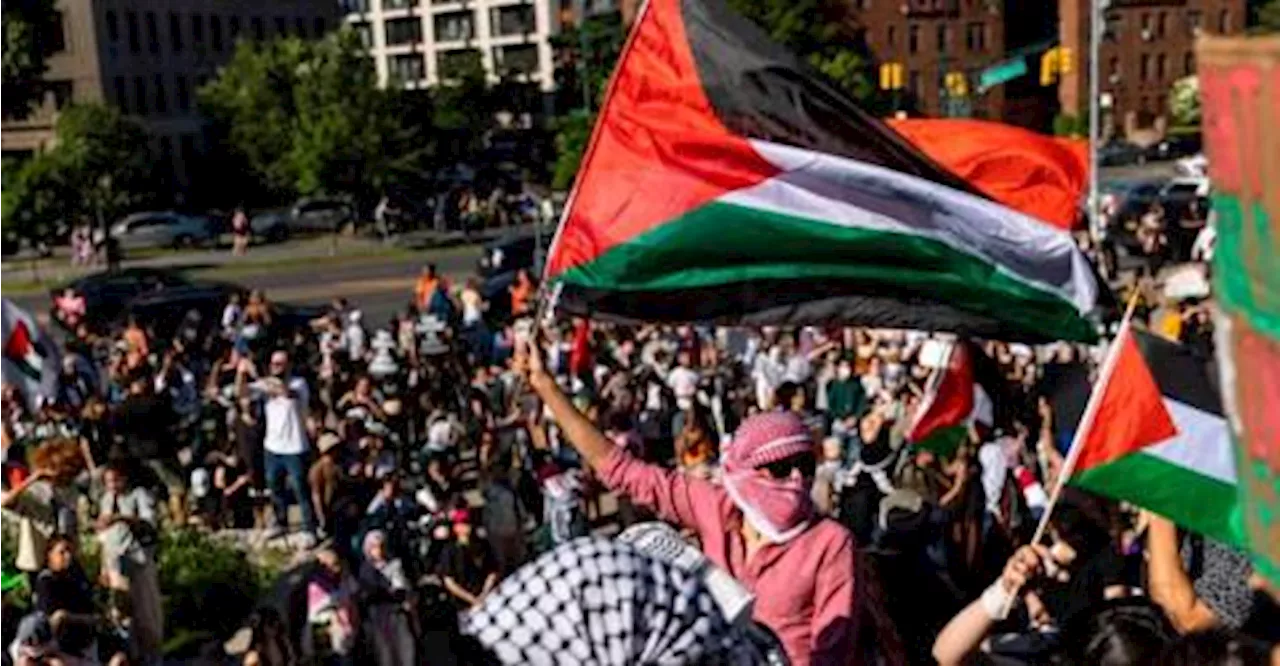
pixel 891 76
pixel 957 84
pixel 1054 63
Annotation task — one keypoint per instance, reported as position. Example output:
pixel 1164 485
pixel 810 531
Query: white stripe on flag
pixel 1202 444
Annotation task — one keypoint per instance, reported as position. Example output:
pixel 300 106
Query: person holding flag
pixel 759 525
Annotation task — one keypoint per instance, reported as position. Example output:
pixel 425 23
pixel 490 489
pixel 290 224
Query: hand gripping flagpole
pixel 1086 422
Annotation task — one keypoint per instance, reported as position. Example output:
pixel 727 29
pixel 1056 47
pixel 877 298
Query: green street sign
pixel 1001 72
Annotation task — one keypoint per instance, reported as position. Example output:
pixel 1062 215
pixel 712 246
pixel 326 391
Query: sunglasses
pixel 781 469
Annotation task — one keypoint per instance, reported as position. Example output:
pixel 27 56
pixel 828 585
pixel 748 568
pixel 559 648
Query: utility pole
pixel 1096 9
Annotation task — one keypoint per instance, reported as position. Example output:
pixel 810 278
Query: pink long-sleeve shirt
pixel 804 588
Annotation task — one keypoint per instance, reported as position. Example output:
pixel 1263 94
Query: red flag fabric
pixel 1039 175
pixel 580 353
pixel 1131 414
pixel 950 401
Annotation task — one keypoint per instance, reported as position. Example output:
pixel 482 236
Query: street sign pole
pixel 1096 9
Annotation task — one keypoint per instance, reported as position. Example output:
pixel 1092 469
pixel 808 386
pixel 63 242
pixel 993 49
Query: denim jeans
pixel 294 469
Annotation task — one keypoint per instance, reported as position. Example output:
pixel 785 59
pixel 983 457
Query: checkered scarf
pixel 599 601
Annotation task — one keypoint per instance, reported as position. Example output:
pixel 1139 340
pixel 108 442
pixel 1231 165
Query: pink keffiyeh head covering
pixel 779 509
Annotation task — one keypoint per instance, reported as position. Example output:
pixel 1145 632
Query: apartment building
pixel 420 43
pixel 1146 46
pixel 149 57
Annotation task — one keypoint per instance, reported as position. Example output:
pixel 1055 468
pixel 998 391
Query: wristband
pixel 995 601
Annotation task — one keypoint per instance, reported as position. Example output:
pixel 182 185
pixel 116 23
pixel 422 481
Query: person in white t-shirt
pixel 683 381
pixel 285 441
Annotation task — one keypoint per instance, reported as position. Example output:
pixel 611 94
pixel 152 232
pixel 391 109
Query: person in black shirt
pixel 467 565
pixel 144 422
pixel 64 594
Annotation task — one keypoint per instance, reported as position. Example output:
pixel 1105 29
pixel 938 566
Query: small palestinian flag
pixel 30 358
pixel 1157 438
pixel 726 181
pixel 954 400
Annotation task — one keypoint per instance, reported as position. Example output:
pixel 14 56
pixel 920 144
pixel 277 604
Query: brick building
pixel 1147 45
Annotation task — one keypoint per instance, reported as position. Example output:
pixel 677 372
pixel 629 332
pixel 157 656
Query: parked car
pixel 499 262
pixel 163 229
pixel 160 299
pixel 271 225
pixel 321 214
pixel 1120 153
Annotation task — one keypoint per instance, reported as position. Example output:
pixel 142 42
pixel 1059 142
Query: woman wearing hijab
pixel 387 596
pixel 331 608
pixel 759 525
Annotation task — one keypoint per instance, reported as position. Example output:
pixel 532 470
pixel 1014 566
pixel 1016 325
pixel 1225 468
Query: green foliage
pixel 819 31
pixel 100 161
pixel 1184 101
pixel 585 58
pixel 1065 124
pixel 307 117
pixel 1266 17
pixel 208 586
pixel 572 134
pixel 28 28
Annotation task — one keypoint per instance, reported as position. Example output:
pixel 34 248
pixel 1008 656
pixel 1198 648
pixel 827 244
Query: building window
pixel 282 26
pixel 1189 63
pixel 514 20
pixel 215 32
pixel 403 31
pixel 233 30
pixel 354 6
pixel 454 26
pixel 113 27
pixel 944 36
pixel 162 97
pixel 61 92
pixel 450 64
pixel 1162 66
pixel 1114 22
pixel 140 95
pixel 57 37
pixel 122 94
pixel 975 37
pixel 1113 69
pixel 521 59
pixel 197 31
pixel 1195 22
pixel 318 27
pixel 175 32
pixel 183 93
pixel 1224 21
pixel 1146 25
pixel 1144 67
pixel 131 23
pixel 407 68
pixel 397 4
pixel 256 24
pixel 891 36
pixel 913 38
pixel 915 84
pixel 300 26
pixel 365 32
pixel 153 33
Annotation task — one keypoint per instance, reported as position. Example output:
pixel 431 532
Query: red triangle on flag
pixel 950 402
pixel 19 344
pixel 1131 414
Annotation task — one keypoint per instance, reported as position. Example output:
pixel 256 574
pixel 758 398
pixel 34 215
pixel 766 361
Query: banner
pixel 1240 89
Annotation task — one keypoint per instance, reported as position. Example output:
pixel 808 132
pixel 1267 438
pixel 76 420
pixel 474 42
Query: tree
pixel 29 27
pixel 1184 101
pixel 308 117
pixel 1266 17
pixel 462 106
pixel 100 163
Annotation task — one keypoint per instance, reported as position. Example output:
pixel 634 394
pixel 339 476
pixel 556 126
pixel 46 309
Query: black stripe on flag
pixel 1182 374
pixel 761 90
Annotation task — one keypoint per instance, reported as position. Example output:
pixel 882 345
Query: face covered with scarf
pixel 768 471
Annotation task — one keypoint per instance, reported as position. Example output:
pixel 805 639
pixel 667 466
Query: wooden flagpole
pixel 1086 421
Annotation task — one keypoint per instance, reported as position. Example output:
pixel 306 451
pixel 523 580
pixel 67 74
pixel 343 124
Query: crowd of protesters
pixel 455 482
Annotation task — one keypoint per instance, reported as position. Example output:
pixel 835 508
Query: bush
pixel 209 587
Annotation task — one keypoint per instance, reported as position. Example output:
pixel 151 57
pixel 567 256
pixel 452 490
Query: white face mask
pixel 844 371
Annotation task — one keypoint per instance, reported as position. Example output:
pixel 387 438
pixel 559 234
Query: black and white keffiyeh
pixel 600 601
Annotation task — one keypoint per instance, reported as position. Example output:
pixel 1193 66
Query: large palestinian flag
pixel 30 358
pixel 1157 438
pixel 726 181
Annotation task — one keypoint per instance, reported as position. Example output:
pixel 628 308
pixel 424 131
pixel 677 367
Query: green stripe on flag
pixel 944 442
pixel 1196 502
pixel 726 243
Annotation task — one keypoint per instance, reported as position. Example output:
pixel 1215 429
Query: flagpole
pixel 1086 421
